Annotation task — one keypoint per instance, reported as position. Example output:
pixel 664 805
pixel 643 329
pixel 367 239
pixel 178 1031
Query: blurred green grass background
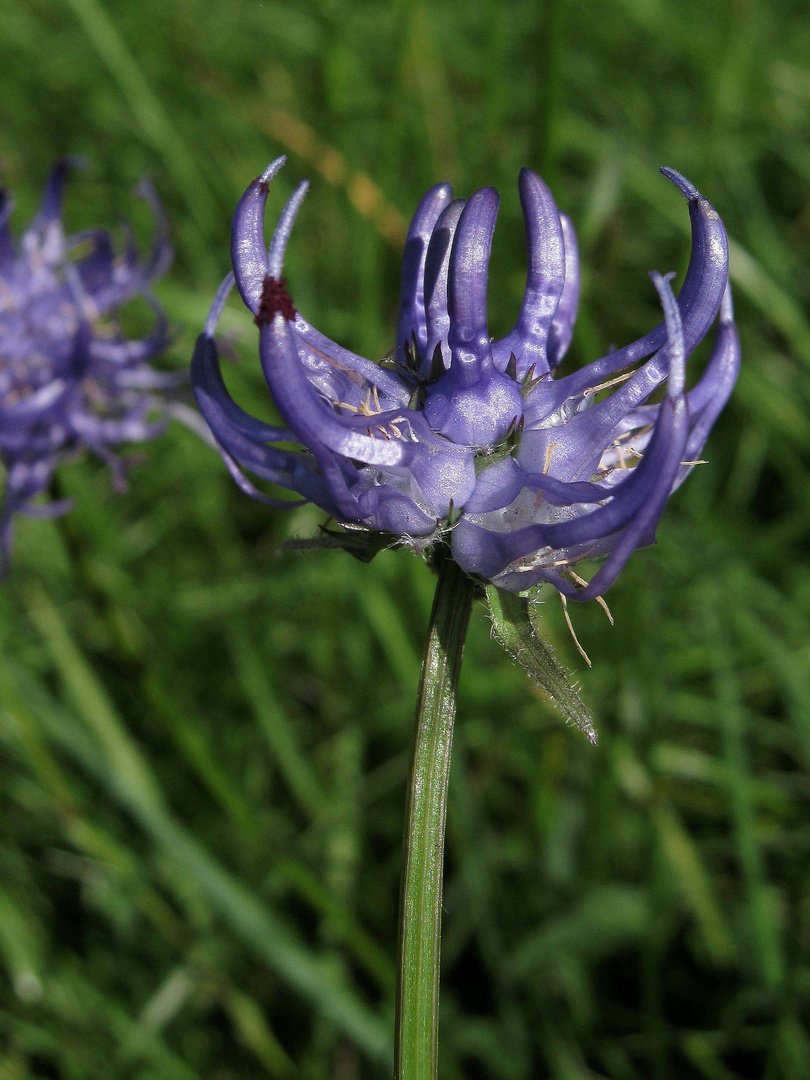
pixel 204 743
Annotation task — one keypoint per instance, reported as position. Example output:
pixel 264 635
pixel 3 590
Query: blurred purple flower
pixel 69 379
pixel 460 436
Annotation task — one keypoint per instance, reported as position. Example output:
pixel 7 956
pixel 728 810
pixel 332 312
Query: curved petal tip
pixel 271 170
pixel 223 292
pixel 689 190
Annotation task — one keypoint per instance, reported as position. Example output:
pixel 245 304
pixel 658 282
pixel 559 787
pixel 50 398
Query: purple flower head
pixel 467 438
pixel 69 379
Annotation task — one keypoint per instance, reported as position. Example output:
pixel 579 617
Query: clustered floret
pixel 470 439
pixel 70 380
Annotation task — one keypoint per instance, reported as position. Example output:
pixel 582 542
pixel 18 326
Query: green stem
pixel 421 901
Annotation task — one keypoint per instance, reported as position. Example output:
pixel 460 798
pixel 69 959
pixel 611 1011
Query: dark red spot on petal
pixel 275 300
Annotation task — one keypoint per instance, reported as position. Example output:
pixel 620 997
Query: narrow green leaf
pixel 734 720
pixel 514 623
pixel 606 917
pixel 131 782
pixel 19 948
pixel 272 719
pixel 93 703
pixel 147 107
pixel 688 863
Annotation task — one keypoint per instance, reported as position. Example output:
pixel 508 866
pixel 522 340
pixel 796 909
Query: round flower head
pixel 465 437
pixel 69 379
